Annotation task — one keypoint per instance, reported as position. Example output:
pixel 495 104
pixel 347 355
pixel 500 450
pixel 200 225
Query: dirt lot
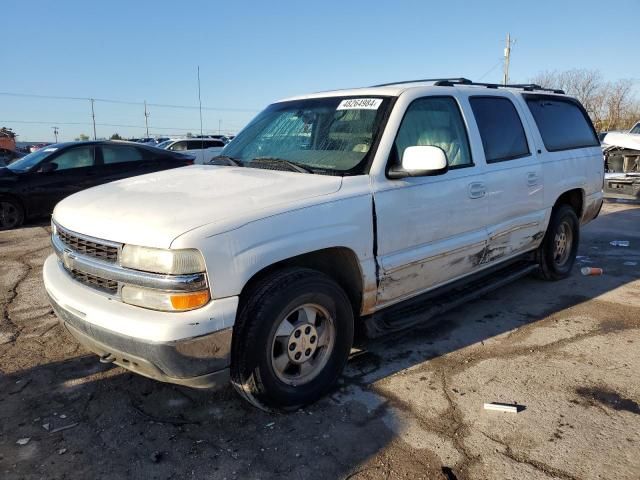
pixel 409 406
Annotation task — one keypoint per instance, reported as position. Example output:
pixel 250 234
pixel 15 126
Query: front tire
pixel 291 340
pixel 11 214
pixel 557 253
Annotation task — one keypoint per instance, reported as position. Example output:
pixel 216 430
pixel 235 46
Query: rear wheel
pixel 557 253
pixel 291 340
pixel 11 214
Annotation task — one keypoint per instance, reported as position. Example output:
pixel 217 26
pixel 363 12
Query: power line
pixel 498 63
pixel 124 102
pixel 35 122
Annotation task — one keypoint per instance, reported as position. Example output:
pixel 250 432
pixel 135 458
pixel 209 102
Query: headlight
pixel 161 300
pixel 158 260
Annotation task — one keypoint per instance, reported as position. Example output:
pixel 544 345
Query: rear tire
pixel 557 253
pixel 291 339
pixel 11 213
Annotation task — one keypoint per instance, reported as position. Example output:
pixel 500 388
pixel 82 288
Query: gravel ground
pixel 409 406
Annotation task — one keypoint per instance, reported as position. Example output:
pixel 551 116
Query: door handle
pixel 477 190
pixel 532 179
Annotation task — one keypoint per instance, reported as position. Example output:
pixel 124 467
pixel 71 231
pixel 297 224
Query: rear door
pixel 514 177
pixel 72 170
pixel 123 161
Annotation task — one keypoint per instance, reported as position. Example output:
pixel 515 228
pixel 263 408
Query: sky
pixel 251 53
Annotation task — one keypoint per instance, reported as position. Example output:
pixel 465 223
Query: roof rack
pixel 450 82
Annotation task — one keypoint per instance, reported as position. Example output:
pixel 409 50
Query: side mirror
pixel 421 161
pixel 48 167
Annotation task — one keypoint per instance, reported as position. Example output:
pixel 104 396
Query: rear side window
pixel 120 154
pixel 562 123
pixel 500 127
pixel 178 147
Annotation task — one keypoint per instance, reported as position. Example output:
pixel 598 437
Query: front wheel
pixel 11 214
pixel 557 253
pixel 291 340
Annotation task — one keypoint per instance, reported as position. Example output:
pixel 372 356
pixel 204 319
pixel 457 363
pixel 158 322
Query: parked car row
pixel 32 185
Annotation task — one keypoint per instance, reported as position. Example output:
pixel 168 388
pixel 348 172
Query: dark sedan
pixel 32 185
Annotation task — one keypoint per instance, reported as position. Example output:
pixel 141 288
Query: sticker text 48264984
pixel 360 104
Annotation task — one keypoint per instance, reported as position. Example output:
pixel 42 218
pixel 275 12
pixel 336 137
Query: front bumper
pixel 623 186
pixel 189 348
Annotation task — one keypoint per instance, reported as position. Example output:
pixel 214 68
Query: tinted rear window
pixel 563 124
pixel 501 130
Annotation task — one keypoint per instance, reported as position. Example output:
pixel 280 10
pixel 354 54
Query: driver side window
pixel 74 158
pixel 435 121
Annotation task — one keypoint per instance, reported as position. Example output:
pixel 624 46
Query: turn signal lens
pixel 189 301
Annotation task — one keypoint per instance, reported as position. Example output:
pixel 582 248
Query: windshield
pixel 29 161
pixel 326 135
pixel 164 144
pixel 635 129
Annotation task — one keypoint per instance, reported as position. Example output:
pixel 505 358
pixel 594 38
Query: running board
pixel 424 307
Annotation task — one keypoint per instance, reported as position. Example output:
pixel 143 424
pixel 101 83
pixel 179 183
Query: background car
pixel 203 149
pixel 8 156
pixel 32 185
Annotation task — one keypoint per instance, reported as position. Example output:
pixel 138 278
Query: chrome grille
pixel 101 251
pixel 103 284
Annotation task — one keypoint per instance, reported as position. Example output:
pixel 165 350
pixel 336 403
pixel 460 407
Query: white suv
pixel 203 149
pixel 333 209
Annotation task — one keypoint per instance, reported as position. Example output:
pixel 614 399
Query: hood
pixel 630 141
pixel 152 210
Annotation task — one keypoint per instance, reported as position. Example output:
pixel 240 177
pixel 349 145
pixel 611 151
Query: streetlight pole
pixel 146 118
pixel 93 117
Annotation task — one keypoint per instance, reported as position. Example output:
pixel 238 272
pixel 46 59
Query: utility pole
pixel 219 126
pixel 55 132
pixel 199 101
pixel 146 118
pixel 507 59
pixel 93 117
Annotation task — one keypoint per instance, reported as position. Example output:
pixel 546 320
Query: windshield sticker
pixel 50 149
pixel 360 104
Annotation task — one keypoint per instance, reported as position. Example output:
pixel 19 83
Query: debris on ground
pixel 64 427
pixel 619 243
pixel 62 451
pixel 23 441
pixel 591 271
pixel 156 456
pixel 502 407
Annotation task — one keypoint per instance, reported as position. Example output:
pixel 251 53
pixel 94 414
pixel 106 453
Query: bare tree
pixel 611 105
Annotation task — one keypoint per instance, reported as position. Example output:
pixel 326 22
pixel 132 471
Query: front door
pixel 59 176
pixel 431 230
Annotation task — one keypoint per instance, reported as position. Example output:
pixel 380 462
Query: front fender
pixel 234 257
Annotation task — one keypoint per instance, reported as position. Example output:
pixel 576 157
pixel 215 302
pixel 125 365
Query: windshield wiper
pixel 296 167
pixel 226 158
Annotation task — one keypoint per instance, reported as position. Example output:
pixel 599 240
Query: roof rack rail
pixel 450 82
pixel 460 80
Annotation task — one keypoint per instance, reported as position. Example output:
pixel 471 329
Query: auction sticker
pixel 360 104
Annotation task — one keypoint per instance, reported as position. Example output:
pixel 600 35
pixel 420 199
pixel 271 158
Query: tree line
pixel 612 105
